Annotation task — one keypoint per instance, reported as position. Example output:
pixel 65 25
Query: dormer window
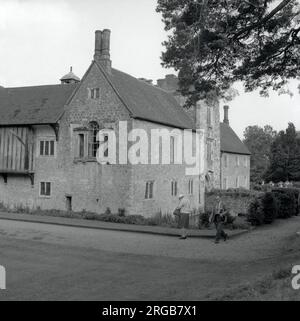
pixel 95 93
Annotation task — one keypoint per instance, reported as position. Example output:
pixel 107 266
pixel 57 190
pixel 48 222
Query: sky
pixel 41 39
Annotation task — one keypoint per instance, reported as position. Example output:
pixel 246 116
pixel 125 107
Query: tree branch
pixel 269 16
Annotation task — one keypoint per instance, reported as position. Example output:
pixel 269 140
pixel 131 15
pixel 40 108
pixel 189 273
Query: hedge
pixel 263 209
pixel 280 203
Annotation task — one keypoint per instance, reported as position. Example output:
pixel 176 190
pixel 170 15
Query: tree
pixel 214 43
pixel 285 156
pixel 259 141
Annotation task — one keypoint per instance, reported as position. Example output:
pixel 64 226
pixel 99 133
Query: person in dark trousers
pixel 183 211
pixel 219 218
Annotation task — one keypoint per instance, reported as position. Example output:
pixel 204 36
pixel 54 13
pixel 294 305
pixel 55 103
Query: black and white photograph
pixel 150 153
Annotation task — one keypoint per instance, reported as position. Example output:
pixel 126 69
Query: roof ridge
pixel 33 86
pixel 144 82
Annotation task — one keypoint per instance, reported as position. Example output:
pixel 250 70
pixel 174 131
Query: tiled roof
pixel 148 102
pixel 230 142
pixel 33 105
pixel 44 104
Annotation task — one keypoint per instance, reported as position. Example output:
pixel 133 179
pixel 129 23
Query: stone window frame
pixel 149 190
pixel 47 139
pixel 89 133
pixel 95 93
pixel 45 195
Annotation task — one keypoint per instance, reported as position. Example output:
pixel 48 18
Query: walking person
pixel 218 217
pixel 184 211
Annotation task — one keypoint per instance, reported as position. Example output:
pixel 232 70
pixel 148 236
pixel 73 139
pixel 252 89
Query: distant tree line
pixel 275 155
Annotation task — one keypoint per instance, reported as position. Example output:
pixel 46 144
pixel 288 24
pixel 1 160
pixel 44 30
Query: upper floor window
pixel 174 189
pixel 237 160
pixel 245 161
pixel 45 189
pixel 93 141
pixel 149 190
pixel 224 183
pixel 191 187
pixel 172 149
pixel 81 143
pixel 95 93
pixel 47 147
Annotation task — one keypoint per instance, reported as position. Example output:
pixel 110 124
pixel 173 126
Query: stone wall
pixel 235 202
pixel 162 175
pixel 89 185
pixel 18 191
pixel 235 171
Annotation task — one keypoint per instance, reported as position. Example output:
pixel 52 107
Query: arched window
pixel 93 142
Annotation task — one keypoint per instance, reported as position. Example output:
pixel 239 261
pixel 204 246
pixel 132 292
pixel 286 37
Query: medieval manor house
pixel 48 143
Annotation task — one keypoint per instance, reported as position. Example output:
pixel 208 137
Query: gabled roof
pixel 33 105
pixel 147 102
pixel 230 142
pixel 44 104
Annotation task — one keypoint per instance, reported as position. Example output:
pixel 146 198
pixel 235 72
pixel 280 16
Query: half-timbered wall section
pixel 16 149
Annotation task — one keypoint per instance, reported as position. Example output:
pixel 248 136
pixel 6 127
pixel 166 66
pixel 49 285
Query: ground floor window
pixel 45 189
pixel 149 190
pixel 174 189
pixel 191 187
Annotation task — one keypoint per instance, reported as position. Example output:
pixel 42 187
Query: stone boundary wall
pixel 236 202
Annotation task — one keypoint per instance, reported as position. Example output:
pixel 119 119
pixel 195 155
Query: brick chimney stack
pixel 102 49
pixel 226 117
pixel 98 42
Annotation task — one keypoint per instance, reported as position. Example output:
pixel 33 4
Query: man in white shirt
pixel 184 207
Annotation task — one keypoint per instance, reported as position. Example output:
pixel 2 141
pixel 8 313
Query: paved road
pixel 59 262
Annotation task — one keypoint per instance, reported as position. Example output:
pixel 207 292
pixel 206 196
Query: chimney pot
pixel 102 49
pixel 226 116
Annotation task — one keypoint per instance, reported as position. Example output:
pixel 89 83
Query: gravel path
pixel 47 262
pixel 259 244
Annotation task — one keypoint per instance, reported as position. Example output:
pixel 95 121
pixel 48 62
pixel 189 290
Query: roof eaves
pixel 163 123
pixel 235 153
